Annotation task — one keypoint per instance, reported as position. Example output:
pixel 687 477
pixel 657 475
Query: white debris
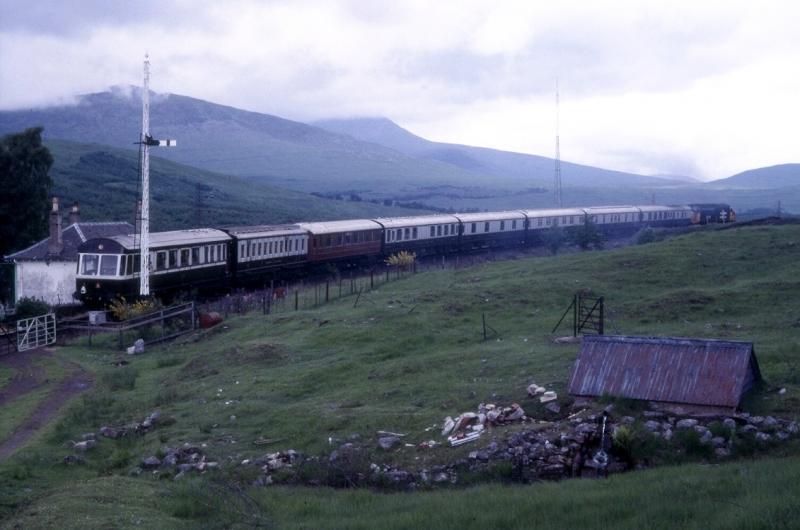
pixel 548 396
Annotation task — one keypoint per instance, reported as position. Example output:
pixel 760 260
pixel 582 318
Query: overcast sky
pixel 698 88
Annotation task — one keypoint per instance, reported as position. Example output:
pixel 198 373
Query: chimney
pixel 75 213
pixel 138 217
pixel 56 243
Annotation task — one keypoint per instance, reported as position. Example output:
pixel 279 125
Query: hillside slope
pixel 780 176
pixel 105 180
pixel 385 132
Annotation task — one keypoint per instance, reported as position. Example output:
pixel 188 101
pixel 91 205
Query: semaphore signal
pixel 146 142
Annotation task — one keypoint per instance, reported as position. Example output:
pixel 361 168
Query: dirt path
pixel 30 378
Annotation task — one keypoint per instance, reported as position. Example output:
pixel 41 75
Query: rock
pixel 706 437
pixel 687 423
pixel 548 396
pixel 553 407
pixel 652 425
pixel 151 462
pixel 781 435
pixel 72 460
pixel 718 441
pixel 492 416
pixel 667 434
pixel 170 460
pixel 109 432
pixel 763 437
pixel 628 420
pixel 721 452
pixel 388 442
pixel 749 428
pixel 586 428
pixel 535 390
pixel 792 428
pixel 701 429
pixel 138 346
pixel 729 423
pixel 263 480
pixel 653 414
pixel 769 421
pixel 84 445
pixel 756 420
pixel 88 436
pixel 515 414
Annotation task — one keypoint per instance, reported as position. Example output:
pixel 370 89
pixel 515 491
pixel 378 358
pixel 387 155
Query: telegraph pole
pixel 146 141
pixel 557 175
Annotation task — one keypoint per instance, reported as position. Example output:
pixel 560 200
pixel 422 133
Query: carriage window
pixel 486 227
pixel 195 255
pixel 433 231
pixel 304 244
pixel 173 259
pixel 407 234
pixel 539 222
pixel 129 265
pixel 474 227
pixel 185 257
pixel 514 224
pixel 122 261
pixel 214 252
pixel 89 264
pixel 439 230
pixel 502 225
pixel 281 245
pixel 414 235
pixel 161 261
pixel 108 265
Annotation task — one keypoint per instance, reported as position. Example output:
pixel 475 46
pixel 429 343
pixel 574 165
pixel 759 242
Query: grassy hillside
pixel 780 176
pixel 410 353
pixel 105 181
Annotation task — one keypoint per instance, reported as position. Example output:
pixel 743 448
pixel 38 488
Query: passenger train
pixel 209 259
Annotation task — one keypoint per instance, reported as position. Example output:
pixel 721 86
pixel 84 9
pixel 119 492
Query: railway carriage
pixel 422 235
pixel 712 213
pixel 265 249
pixel 180 260
pixel 491 229
pixel 654 215
pixel 343 241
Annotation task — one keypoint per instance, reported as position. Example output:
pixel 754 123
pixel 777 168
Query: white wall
pixel 52 282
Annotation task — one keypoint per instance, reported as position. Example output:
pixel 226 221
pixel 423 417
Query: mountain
pixel 229 140
pixel 383 131
pixel 373 157
pixel 105 180
pixel 780 176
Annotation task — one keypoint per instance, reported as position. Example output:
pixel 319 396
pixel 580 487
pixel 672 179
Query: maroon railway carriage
pixel 343 240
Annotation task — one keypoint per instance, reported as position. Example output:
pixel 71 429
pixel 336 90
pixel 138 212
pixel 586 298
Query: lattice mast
pixel 146 142
pixel 557 172
pixel 144 239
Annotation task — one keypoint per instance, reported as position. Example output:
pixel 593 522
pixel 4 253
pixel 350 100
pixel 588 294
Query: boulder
pixel 707 437
pixel 548 396
pixel 535 390
pixel 388 442
pixel 138 346
pixel 151 462
pixel 109 432
pixel 729 423
pixel 84 445
pixel 553 407
pixel 652 425
pixel 687 423
pixel 763 437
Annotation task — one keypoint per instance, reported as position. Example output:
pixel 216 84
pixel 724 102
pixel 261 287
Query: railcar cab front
pixel 105 271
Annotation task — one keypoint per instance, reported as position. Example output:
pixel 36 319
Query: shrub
pixel 30 307
pixel 645 235
pixel 122 310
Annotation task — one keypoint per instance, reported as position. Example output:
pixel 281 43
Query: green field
pixel 410 353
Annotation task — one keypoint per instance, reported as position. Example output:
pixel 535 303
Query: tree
pixel 553 238
pixel 25 185
pixel 587 235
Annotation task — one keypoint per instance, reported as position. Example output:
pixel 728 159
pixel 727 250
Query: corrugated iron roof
pixel 674 370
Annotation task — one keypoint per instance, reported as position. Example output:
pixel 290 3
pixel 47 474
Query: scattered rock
pixel 388 442
pixel 535 390
pixel 763 437
pixel 151 462
pixel 729 423
pixel 548 396
pixel 652 425
pixel 84 445
pixel 553 407
pixel 687 423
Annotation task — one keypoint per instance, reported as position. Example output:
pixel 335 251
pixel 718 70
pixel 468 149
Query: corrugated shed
pixel 687 371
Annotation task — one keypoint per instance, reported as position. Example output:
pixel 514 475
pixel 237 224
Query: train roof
pixel 422 220
pixel 246 232
pixel 333 227
pixel 174 238
pixel 489 216
pixel 658 208
pixel 595 210
pixel 556 212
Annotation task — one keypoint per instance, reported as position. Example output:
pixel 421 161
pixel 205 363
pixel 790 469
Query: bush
pixel 30 307
pixel 645 235
pixel 122 310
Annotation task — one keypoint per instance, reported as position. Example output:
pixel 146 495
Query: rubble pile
pixel 133 428
pixel 181 460
pixel 468 426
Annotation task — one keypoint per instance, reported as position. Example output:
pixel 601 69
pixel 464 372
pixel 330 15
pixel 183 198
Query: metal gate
pixel 36 332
